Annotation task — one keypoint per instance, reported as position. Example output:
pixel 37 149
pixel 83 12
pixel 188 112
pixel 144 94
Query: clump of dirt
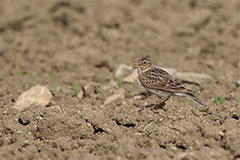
pixel 58 43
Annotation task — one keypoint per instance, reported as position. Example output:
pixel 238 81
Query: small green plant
pixel 126 95
pixel 197 88
pixel 53 75
pixel 72 105
pixel 184 101
pixel 215 100
pixel 8 58
pixel 217 76
pixel 120 82
pixel 221 99
pixel 55 87
pixel 96 88
pixel 234 88
pixel 21 73
pixel 63 107
pixel 7 90
pixel 31 74
pixel 62 90
pixel 191 101
pixel 75 88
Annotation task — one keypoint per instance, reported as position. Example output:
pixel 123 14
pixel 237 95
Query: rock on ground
pixel 122 70
pixel 37 95
pixel 116 97
pixel 193 77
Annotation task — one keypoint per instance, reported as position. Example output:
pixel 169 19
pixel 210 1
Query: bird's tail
pixel 193 98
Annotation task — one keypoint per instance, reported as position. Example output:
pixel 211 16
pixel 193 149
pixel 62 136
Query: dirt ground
pixel 83 42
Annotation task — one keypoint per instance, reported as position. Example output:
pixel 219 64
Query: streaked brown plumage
pixel 157 81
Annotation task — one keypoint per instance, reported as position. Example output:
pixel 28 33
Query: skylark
pixel 157 81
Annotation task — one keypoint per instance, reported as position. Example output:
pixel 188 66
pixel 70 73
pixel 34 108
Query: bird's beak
pixel 135 65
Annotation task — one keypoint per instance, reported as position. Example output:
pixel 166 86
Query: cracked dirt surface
pixel 85 41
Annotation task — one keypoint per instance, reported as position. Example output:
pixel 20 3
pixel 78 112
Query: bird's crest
pixel 144 57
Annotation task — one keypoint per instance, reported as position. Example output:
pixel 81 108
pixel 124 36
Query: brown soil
pixel 85 41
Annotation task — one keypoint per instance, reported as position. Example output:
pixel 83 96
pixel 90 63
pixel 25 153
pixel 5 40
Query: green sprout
pixel 8 57
pixel 215 100
pixel 120 82
pixel 96 88
pixel 75 89
pixel 53 76
pixel 21 73
pixel 7 90
pixel 31 74
pixel 55 87
pixel 197 88
pixel 63 107
pixel 126 95
pixel 72 105
pixel 193 88
pixel 221 99
pixel 191 101
pixel 184 101
pixel 217 76
pixel 62 90
pixel 234 88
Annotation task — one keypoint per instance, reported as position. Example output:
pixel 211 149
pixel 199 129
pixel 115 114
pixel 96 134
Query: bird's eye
pixel 144 62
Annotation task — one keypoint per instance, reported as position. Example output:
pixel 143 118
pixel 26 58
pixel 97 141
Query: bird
pixel 159 82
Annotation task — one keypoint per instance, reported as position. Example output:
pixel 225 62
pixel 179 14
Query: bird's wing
pixel 159 79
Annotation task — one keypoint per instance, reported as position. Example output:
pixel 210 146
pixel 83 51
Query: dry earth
pixel 57 43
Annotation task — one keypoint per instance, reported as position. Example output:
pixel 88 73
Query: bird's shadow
pixel 157 107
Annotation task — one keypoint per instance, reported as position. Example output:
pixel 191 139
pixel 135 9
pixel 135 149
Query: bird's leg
pixel 160 102
pixel 167 98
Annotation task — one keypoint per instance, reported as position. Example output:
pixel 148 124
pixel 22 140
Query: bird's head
pixel 143 64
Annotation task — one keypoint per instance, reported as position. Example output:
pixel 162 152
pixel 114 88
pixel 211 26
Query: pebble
pixel 238 83
pixel 122 69
pixel 37 95
pixel 199 18
pixel 138 97
pixel 221 133
pixel 132 78
pixel 193 77
pixel 116 97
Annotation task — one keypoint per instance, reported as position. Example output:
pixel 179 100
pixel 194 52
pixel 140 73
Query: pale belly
pixel 159 93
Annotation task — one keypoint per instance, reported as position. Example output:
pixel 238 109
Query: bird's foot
pixel 143 107
pixel 158 106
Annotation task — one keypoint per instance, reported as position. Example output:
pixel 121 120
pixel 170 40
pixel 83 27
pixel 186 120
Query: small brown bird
pixel 159 82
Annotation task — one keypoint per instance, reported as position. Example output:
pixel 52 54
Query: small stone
pixel 132 78
pixel 199 18
pixel 193 77
pixel 221 133
pixel 110 34
pixel 238 83
pixel 80 94
pixel 138 97
pixel 122 70
pixel 116 97
pixel 37 95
